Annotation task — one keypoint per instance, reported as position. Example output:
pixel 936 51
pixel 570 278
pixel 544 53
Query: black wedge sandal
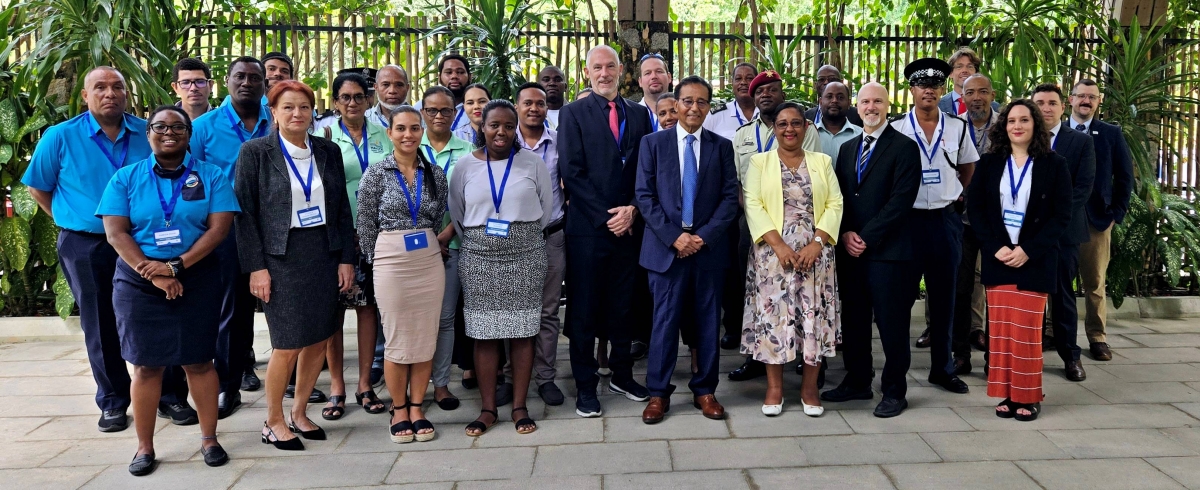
pixel 481 427
pixel 401 426
pixel 370 402
pixel 1034 410
pixel 524 422
pixel 335 412
pixel 1012 409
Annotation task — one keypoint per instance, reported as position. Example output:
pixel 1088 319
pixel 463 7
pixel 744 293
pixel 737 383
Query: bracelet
pixel 172 269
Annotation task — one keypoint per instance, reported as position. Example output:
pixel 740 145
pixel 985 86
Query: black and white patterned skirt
pixel 502 281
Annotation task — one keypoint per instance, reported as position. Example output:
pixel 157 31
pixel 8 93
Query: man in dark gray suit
pixel 963 63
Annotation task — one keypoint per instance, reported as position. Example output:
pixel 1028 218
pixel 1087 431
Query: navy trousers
pixel 684 285
pixel 868 291
pixel 601 287
pixel 1063 310
pixel 733 299
pixel 937 251
pixel 236 332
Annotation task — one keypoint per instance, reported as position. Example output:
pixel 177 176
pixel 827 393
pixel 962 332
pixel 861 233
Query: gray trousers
pixel 445 339
pixel 545 345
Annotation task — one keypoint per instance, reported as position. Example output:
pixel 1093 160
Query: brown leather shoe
pixel 1075 371
pixel 1101 352
pixel 709 405
pixel 656 409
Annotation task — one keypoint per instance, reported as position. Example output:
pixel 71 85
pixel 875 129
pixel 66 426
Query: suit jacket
pixel 946 104
pixel 1077 149
pixel 1046 217
pixel 1114 176
pixel 589 161
pixel 264 190
pixel 851 115
pixel 878 209
pixel 659 194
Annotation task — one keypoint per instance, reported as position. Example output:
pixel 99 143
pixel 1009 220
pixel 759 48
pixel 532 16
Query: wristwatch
pixel 176 265
pixel 818 239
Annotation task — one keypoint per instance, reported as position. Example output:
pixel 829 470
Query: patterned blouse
pixel 383 207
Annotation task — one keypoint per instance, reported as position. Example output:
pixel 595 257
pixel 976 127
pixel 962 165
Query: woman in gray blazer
pixel 296 239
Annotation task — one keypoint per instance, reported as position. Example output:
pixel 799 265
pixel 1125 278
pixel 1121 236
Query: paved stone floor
pixel 1135 423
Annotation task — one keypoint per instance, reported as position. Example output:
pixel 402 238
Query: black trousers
pixel 965 287
pixel 733 299
pixel 1063 309
pixel 602 287
pixel 236 332
pixel 937 252
pixel 868 292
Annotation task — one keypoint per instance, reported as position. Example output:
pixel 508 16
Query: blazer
pixel 264 190
pixel 1077 149
pixel 659 192
pixel 1046 218
pixel 590 161
pixel 946 104
pixel 878 209
pixel 763 192
pixel 1114 176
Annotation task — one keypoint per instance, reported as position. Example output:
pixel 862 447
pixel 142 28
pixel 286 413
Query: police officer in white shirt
pixel 947 161
pixel 725 119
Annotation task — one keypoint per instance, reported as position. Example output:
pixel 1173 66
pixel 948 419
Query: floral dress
pixel 786 310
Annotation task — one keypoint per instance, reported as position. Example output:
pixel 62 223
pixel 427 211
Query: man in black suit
pixel 1107 205
pixel 879 174
pixel 598 141
pixel 826 75
pixel 1077 148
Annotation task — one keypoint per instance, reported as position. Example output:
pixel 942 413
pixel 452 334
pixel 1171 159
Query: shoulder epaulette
pixel 719 107
pixel 897 118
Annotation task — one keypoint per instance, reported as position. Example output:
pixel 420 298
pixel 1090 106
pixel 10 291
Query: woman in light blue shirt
pixel 164 216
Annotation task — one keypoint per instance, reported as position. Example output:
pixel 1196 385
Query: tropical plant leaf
pixel 14 234
pixel 6 153
pixel 9 124
pixel 22 200
pixel 64 302
pixel 45 238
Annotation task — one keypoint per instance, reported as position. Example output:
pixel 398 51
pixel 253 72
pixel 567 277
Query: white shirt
pixel 552 117
pixel 725 122
pixel 653 114
pixel 1054 134
pixel 681 135
pixel 1087 125
pixel 939 179
pixel 1007 203
pixel 302 157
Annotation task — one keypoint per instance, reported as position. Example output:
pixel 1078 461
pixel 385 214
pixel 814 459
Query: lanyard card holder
pixel 931 176
pixel 1013 219
pixel 310 216
pixel 416 241
pixel 168 236
pixel 498 228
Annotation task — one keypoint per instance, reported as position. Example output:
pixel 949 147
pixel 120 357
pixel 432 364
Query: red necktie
pixel 613 124
pixel 961 106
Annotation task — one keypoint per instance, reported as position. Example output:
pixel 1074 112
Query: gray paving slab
pixel 549 433
pixel 1191 408
pixel 1157 355
pixel 674 426
pixel 41 386
pixel 71 477
pixel 1190 339
pixel 581 482
pixel 374 439
pixel 30 454
pixel 38 351
pixel 1145 392
pixel 12 428
pixel 770 452
pixel 1131 416
pixel 193 474
pixel 1185 470
pixel 867 449
pixel 678 480
pixel 1090 474
pixel 1051 417
pixel 1188 436
pixel 1117 443
pixel 120 451
pixel 56 368
pixel 999 475
pixel 792 422
pixel 315 471
pixel 1153 372
pixel 469 464
pixel 993 446
pixel 912 420
pixel 606 458
pixel 863 477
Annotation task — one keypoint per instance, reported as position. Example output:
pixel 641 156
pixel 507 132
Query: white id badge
pixel 310 216
pixel 498 228
pixel 167 236
pixel 1013 218
pixel 931 176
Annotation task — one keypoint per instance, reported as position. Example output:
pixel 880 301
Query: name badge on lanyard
pixel 310 215
pixel 365 155
pixel 170 235
pixel 1012 217
pixel 497 227
pixel 417 240
pixel 932 175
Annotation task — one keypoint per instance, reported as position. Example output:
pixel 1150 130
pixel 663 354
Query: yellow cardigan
pixel 763 192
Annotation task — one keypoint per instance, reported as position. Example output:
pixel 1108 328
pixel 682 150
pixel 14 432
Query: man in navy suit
pixel 1107 205
pixel 1077 148
pixel 598 140
pixel 687 192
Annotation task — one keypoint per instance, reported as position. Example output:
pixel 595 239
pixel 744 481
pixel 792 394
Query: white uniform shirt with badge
pixel 1014 208
pixel 305 213
pixel 950 147
pixel 726 120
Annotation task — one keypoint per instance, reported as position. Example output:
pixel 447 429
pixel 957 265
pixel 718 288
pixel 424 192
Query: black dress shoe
pixel 962 365
pixel 179 413
pixel 730 342
pixel 250 381
pixel 113 421
pixel 749 370
pixel 504 394
pixel 1075 371
pixel 845 393
pixel 227 403
pixel 142 465
pixel 890 407
pixel 317 396
pixel 923 340
pixel 317 434
pixel 215 456
pixel 551 394
pixel 638 350
pixel 952 384
pixel 1101 352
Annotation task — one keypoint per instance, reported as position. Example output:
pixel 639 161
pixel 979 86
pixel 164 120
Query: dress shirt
pixel 546 148
pixel 725 122
pixel 954 149
pixel 831 143
pixel 379 146
pixel 466 133
pixel 552 118
pixel 681 137
pixel 1087 125
pixel 302 157
pixel 653 113
pixel 528 194
pixel 1054 134
pixel 980 137
pixel 385 206
pixel 1022 201
pixel 68 163
pixel 215 140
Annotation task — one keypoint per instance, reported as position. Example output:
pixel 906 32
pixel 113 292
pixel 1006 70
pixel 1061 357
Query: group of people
pixel 451 222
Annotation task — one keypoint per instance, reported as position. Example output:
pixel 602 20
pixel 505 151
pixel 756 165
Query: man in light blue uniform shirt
pixel 217 137
pixel 834 127
pixel 67 174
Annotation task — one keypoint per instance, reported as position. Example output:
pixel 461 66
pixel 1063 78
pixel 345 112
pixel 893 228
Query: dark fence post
pixel 643 27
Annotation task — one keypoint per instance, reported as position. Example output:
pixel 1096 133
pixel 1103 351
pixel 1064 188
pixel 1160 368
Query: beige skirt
pixel 408 289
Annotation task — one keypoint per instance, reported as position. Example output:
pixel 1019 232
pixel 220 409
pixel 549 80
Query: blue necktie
pixel 689 180
pixel 1081 128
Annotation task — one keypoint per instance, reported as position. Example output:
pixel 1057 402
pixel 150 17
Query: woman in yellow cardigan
pixel 794 209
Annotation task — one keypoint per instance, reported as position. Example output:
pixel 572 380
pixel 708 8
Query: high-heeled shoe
pixel 401 426
pixel 772 410
pixel 317 434
pixel 812 410
pixel 289 445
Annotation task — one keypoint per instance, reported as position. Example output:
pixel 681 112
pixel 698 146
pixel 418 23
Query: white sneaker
pixel 774 410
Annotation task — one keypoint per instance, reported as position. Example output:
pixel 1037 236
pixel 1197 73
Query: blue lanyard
pixel 119 161
pixel 937 141
pixel 498 196
pixel 971 126
pixel 758 139
pixel 237 127
pixel 363 158
pixel 414 205
pixel 653 120
pixel 737 111
pixel 382 120
pixel 306 186
pixel 860 167
pixel 454 125
pixel 1015 185
pixel 169 207
pixel 433 159
pixel 818 118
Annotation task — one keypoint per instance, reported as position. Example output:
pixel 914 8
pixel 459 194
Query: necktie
pixel 1081 128
pixel 962 107
pixel 613 123
pixel 689 180
pixel 866 155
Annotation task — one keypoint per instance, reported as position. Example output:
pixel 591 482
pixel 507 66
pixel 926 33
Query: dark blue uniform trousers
pixel 236 331
pixel 868 290
pixel 937 251
pixel 1063 310
pixel 685 285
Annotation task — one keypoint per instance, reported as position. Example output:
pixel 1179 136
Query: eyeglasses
pixel 433 112
pixel 161 128
pixel 694 102
pixel 199 83
pixel 356 98
pixel 1088 97
pixel 828 79
pixel 651 55
pixel 797 123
